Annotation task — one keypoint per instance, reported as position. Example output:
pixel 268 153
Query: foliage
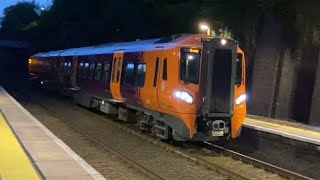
pixel 70 23
pixel 18 17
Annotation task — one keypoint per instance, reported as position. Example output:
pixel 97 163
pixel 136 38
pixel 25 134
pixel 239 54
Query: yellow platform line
pixel 14 163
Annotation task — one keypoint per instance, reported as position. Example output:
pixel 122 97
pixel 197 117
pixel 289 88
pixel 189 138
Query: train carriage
pixel 185 87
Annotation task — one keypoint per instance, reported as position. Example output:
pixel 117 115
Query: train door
pixel 164 89
pixel 149 93
pixel 116 75
pixel 74 67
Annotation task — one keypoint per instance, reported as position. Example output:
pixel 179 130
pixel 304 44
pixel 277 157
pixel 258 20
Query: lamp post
pixel 205 27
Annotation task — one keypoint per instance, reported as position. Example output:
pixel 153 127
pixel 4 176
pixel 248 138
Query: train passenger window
pixel 61 66
pixel 239 69
pixel 189 65
pixel 91 70
pixel 69 68
pixel 98 72
pixel 127 74
pixel 164 70
pixel 80 67
pixel 113 70
pixel 65 67
pixel 140 75
pixel 155 77
pixel 85 70
pixel 119 67
pixel 106 71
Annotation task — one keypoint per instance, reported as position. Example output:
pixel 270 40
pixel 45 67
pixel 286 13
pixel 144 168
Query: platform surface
pixel 47 155
pixel 11 152
pixel 291 130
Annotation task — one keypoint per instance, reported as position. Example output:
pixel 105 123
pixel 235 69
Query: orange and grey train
pixel 189 87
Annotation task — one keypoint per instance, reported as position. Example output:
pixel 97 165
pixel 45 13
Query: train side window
pixel 61 66
pixel 106 71
pixel 118 72
pixel 69 68
pixel 114 70
pixel 140 73
pixel 127 76
pixel 65 67
pixel 155 77
pixel 98 71
pixel 239 69
pixel 80 68
pixel 164 70
pixel 52 68
pixel 85 70
pixel 91 70
pixel 189 66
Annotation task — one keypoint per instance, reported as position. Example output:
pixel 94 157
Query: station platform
pixel 292 130
pixel 28 150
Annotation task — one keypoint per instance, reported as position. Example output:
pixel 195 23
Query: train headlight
pixel 184 96
pixel 242 98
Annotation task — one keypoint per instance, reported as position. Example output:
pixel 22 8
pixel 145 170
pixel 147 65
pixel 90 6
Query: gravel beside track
pixel 77 126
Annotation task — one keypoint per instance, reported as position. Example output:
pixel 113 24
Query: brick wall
pixel 315 106
pixel 288 80
pixel 264 74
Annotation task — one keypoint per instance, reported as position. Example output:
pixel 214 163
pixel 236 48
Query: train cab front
pixel 222 107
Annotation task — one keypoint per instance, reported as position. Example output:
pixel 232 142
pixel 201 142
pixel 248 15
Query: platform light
pixel 242 98
pixel 223 42
pixel 30 61
pixel 205 27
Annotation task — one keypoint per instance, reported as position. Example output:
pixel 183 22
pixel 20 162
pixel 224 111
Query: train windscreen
pixel 189 65
pixel 221 81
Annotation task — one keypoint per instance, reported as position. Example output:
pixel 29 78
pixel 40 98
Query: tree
pixel 19 17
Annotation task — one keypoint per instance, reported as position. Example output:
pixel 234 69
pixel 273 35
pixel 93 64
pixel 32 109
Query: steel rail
pixel 119 154
pixel 145 170
pixel 255 162
pixel 258 163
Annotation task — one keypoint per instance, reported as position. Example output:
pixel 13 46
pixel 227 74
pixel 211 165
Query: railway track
pixel 257 163
pixel 213 147
pixel 145 170
pixel 227 152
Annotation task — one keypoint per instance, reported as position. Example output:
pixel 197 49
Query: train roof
pixel 133 46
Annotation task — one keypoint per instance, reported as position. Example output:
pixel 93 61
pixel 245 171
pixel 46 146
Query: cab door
pixel 116 75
